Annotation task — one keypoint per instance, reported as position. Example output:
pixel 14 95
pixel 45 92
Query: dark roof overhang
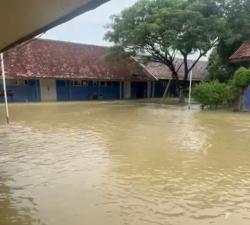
pixel 23 19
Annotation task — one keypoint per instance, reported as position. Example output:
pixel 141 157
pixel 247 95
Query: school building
pixel 47 70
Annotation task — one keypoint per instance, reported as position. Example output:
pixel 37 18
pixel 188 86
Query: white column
pixel 5 92
pixel 190 89
pixel 127 89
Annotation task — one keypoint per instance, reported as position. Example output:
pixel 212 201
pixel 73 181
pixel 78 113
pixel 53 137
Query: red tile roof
pixel 63 60
pixel 242 54
pixel 161 71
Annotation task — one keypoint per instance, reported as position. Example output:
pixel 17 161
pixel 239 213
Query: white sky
pixel 89 28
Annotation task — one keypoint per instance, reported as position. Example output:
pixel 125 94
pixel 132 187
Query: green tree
pixel 241 81
pixel 237 27
pixel 212 94
pixel 167 28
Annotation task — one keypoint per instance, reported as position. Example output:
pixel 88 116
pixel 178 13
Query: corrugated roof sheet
pixel 162 72
pixel 63 60
pixel 242 54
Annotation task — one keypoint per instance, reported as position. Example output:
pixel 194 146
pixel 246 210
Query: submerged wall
pixel 70 90
pixel 160 87
pixel 247 99
pixel 21 91
pixel 139 90
pixel 86 90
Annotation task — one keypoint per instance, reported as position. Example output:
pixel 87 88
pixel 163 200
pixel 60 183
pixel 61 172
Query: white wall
pixel 127 89
pixel 48 90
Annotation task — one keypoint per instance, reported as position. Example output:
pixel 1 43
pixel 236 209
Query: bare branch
pixel 196 61
pixel 179 67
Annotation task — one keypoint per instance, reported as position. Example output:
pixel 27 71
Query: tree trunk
pixel 166 90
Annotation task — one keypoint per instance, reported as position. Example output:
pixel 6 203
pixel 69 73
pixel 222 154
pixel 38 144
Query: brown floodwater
pixel 123 163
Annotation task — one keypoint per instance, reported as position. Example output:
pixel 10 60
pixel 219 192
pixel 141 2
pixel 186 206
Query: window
pixel 16 82
pixel 80 83
pixel 103 84
pixel 77 83
pixel 11 82
pixel 109 84
pixel 85 83
pixel 106 84
pixel 95 83
pixel 22 82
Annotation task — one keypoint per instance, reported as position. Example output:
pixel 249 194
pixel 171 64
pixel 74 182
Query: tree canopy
pixel 165 29
pixel 237 27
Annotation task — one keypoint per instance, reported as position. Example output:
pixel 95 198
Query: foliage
pixel 212 93
pixel 117 54
pixel 242 77
pixel 237 30
pixel 215 69
pixel 164 28
pixel 234 93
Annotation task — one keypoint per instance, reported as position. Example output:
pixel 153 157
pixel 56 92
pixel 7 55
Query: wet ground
pixel 123 163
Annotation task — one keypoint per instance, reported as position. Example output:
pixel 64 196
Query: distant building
pixel 162 74
pixel 243 55
pixel 46 70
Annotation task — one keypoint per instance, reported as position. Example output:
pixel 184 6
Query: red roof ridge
pixel 69 43
pixel 45 58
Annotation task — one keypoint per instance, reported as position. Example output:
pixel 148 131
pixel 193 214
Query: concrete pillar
pixel 153 89
pixel 149 89
pixel 48 90
pixel 121 89
pixel 127 89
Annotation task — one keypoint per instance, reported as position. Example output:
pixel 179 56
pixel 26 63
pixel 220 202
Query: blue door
pixel 247 99
pixel 138 90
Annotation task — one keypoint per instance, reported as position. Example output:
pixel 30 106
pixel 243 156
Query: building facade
pixel 46 70
pixel 163 77
pixel 243 55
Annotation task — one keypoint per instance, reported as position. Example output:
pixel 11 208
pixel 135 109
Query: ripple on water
pixel 124 164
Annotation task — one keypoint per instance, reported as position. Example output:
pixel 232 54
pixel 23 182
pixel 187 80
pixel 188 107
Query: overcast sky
pixel 89 28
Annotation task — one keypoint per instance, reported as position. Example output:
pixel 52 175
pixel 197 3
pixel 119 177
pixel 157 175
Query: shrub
pixel 212 93
pixel 242 78
pixel 241 81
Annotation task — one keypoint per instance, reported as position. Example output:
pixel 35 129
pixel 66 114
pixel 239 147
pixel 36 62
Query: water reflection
pixel 124 163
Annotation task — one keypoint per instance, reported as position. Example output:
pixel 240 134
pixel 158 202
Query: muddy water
pixel 123 164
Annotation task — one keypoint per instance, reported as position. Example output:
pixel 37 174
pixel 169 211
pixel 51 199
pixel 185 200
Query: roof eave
pixel 84 8
pixel 238 60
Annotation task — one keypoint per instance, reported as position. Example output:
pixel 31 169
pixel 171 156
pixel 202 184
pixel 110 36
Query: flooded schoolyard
pixel 123 163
